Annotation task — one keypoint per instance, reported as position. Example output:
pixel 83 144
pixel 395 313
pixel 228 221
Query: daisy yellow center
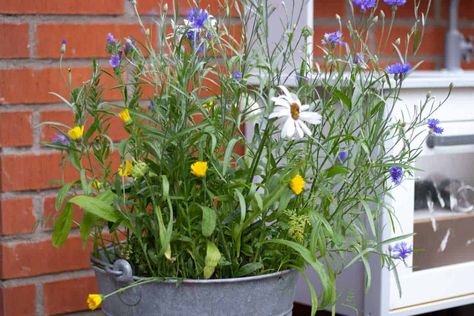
pixel 295 111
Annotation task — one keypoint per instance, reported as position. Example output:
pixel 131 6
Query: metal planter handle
pixel 433 141
pixel 121 270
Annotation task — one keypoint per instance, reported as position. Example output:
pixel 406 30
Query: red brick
pixel 29 258
pixel 49 37
pixel 16 129
pixel 18 300
pixel 329 9
pixel 89 7
pixel 116 131
pixel 16 216
pixel 67 296
pixel 408 10
pixel 32 172
pixel 428 45
pixel 39 82
pixel 15 39
pixel 152 7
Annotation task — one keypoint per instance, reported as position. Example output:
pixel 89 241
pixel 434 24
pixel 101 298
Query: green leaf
pixel 335 170
pixel 228 155
pixel 317 266
pixel 96 206
pixel 370 217
pixel 208 221
pixel 62 193
pixel 62 226
pixel 87 223
pixel 166 186
pixel 344 99
pixel 212 259
pixel 314 296
pixel 243 206
pixel 249 268
pixel 164 232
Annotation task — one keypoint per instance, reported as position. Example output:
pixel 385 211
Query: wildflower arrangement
pixel 241 160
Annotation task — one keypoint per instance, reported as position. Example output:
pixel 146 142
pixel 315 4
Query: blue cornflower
pixel 60 139
pixel 114 61
pixel 342 155
pixel 396 3
pixel 433 125
pixel 398 69
pixel 300 78
pixel 237 75
pixel 110 39
pixel 63 46
pixel 396 173
pixel 358 59
pixel 197 18
pixel 364 4
pixel 333 38
pixel 401 251
pixel 129 44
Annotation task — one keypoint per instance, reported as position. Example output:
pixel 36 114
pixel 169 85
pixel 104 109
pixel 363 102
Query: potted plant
pixel 230 181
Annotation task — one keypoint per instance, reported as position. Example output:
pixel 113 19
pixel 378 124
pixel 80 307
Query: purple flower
pixel 342 155
pixel 129 45
pixel 433 125
pixel 63 46
pixel 114 61
pixel 60 139
pixel 398 69
pixel 333 38
pixel 396 173
pixel 396 3
pixel 364 4
pixel 401 251
pixel 300 78
pixel 197 18
pixel 358 59
pixel 110 39
pixel 237 75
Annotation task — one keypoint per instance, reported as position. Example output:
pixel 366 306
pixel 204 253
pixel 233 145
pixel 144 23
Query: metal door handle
pixel 433 141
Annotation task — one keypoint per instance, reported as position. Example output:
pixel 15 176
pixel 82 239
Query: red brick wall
pixel 432 50
pixel 36 278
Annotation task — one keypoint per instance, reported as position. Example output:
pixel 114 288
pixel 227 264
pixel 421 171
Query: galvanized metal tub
pixel 263 295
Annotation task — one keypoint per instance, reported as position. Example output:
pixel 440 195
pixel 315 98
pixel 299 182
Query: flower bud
pixel 139 170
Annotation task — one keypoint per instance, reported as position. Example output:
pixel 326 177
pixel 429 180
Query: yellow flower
pixel 125 116
pixel 297 184
pixel 209 105
pixel 94 300
pixel 76 132
pixel 96 184
pixel 127 171
pixel 199 168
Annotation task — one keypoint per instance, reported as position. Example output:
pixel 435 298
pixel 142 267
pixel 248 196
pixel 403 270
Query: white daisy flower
pixel 292 116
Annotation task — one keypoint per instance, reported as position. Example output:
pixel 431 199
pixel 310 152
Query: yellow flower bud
pixel 76 132
pixel 96 184
pixel 94 301
pixel 125 116
pixel 199 168
pixel 127 170
pixel 297 184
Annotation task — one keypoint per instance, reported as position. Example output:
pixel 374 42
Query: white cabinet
pixel 440 274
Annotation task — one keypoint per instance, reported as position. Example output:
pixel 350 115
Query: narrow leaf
pixel 96 207
pixel 212 258
pixel 208 221
pixel 62 226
